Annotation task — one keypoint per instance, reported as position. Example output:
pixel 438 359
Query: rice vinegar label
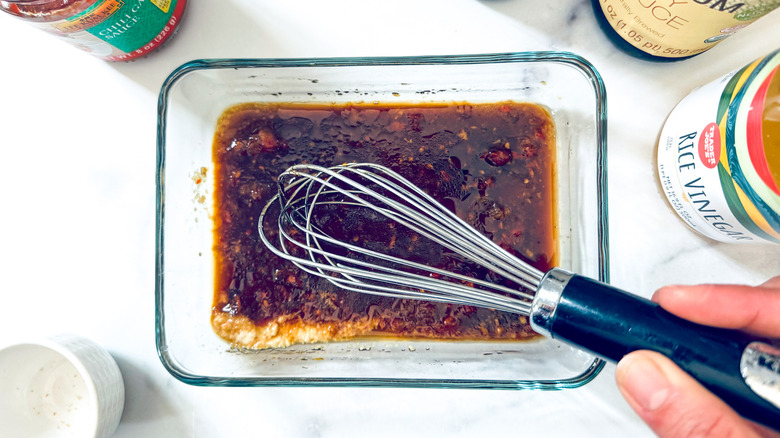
pixel 681 28
pixel 689 151
pixel 120 30
pixel 705 161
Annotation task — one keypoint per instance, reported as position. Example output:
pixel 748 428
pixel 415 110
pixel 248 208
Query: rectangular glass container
pixel 196 94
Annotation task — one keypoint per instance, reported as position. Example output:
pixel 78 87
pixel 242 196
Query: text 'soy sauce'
pixel 670 30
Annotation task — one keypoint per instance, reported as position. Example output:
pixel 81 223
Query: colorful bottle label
pixel 120 30
pixel 681 28
pixel 710 159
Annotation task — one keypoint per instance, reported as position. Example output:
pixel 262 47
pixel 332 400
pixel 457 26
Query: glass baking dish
pixel 195 95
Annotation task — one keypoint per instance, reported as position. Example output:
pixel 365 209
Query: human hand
pixel 671 402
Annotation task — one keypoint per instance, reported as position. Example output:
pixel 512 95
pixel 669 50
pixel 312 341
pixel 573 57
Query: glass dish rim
pixel 566 58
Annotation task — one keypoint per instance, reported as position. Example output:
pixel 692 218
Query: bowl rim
pixel 171 364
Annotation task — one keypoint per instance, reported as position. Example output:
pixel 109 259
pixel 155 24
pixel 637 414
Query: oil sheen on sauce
pixel 492 164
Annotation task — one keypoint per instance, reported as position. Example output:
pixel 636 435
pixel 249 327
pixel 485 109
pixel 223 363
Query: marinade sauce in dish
pixel 492 164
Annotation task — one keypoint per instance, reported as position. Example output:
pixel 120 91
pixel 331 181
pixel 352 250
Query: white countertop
pixel 77 160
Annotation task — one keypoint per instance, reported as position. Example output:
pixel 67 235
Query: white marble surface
pixel 77 160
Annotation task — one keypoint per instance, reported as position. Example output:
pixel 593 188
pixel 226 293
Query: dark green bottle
pixel 673 30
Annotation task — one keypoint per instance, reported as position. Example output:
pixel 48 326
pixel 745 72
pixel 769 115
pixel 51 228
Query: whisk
pixel 585 313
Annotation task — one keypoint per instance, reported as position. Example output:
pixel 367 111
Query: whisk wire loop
pixel 397 283
pixel 399 277
pixel 305 188
pixel 413 208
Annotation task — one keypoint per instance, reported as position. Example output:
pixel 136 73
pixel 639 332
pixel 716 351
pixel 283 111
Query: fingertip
pixel 677 293
pixel 772 283
pixel 671 402
pixel 664 292
pixel 642 381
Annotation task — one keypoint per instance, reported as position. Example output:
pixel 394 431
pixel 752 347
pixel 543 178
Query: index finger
pixel 752 309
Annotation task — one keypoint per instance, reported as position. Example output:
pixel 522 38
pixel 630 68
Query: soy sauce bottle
pixel 672 30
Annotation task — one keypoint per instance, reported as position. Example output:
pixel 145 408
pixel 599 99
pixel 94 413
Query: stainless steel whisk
pixel 588 314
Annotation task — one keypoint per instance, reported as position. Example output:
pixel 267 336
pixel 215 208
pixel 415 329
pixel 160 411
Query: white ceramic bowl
pixel 64 386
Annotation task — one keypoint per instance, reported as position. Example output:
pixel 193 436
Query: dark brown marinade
pixel 490 163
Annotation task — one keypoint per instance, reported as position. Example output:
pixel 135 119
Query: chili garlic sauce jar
pixel 719 155
pixel 114 30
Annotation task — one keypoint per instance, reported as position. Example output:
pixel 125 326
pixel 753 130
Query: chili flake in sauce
pixel 492 164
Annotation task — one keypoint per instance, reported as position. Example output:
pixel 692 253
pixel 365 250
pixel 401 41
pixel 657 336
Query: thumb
pixel 672 403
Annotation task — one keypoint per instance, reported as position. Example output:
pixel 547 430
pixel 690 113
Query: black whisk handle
pixel 611 323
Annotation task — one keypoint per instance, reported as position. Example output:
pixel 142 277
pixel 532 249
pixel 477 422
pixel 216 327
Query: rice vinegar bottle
pixel 719 155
